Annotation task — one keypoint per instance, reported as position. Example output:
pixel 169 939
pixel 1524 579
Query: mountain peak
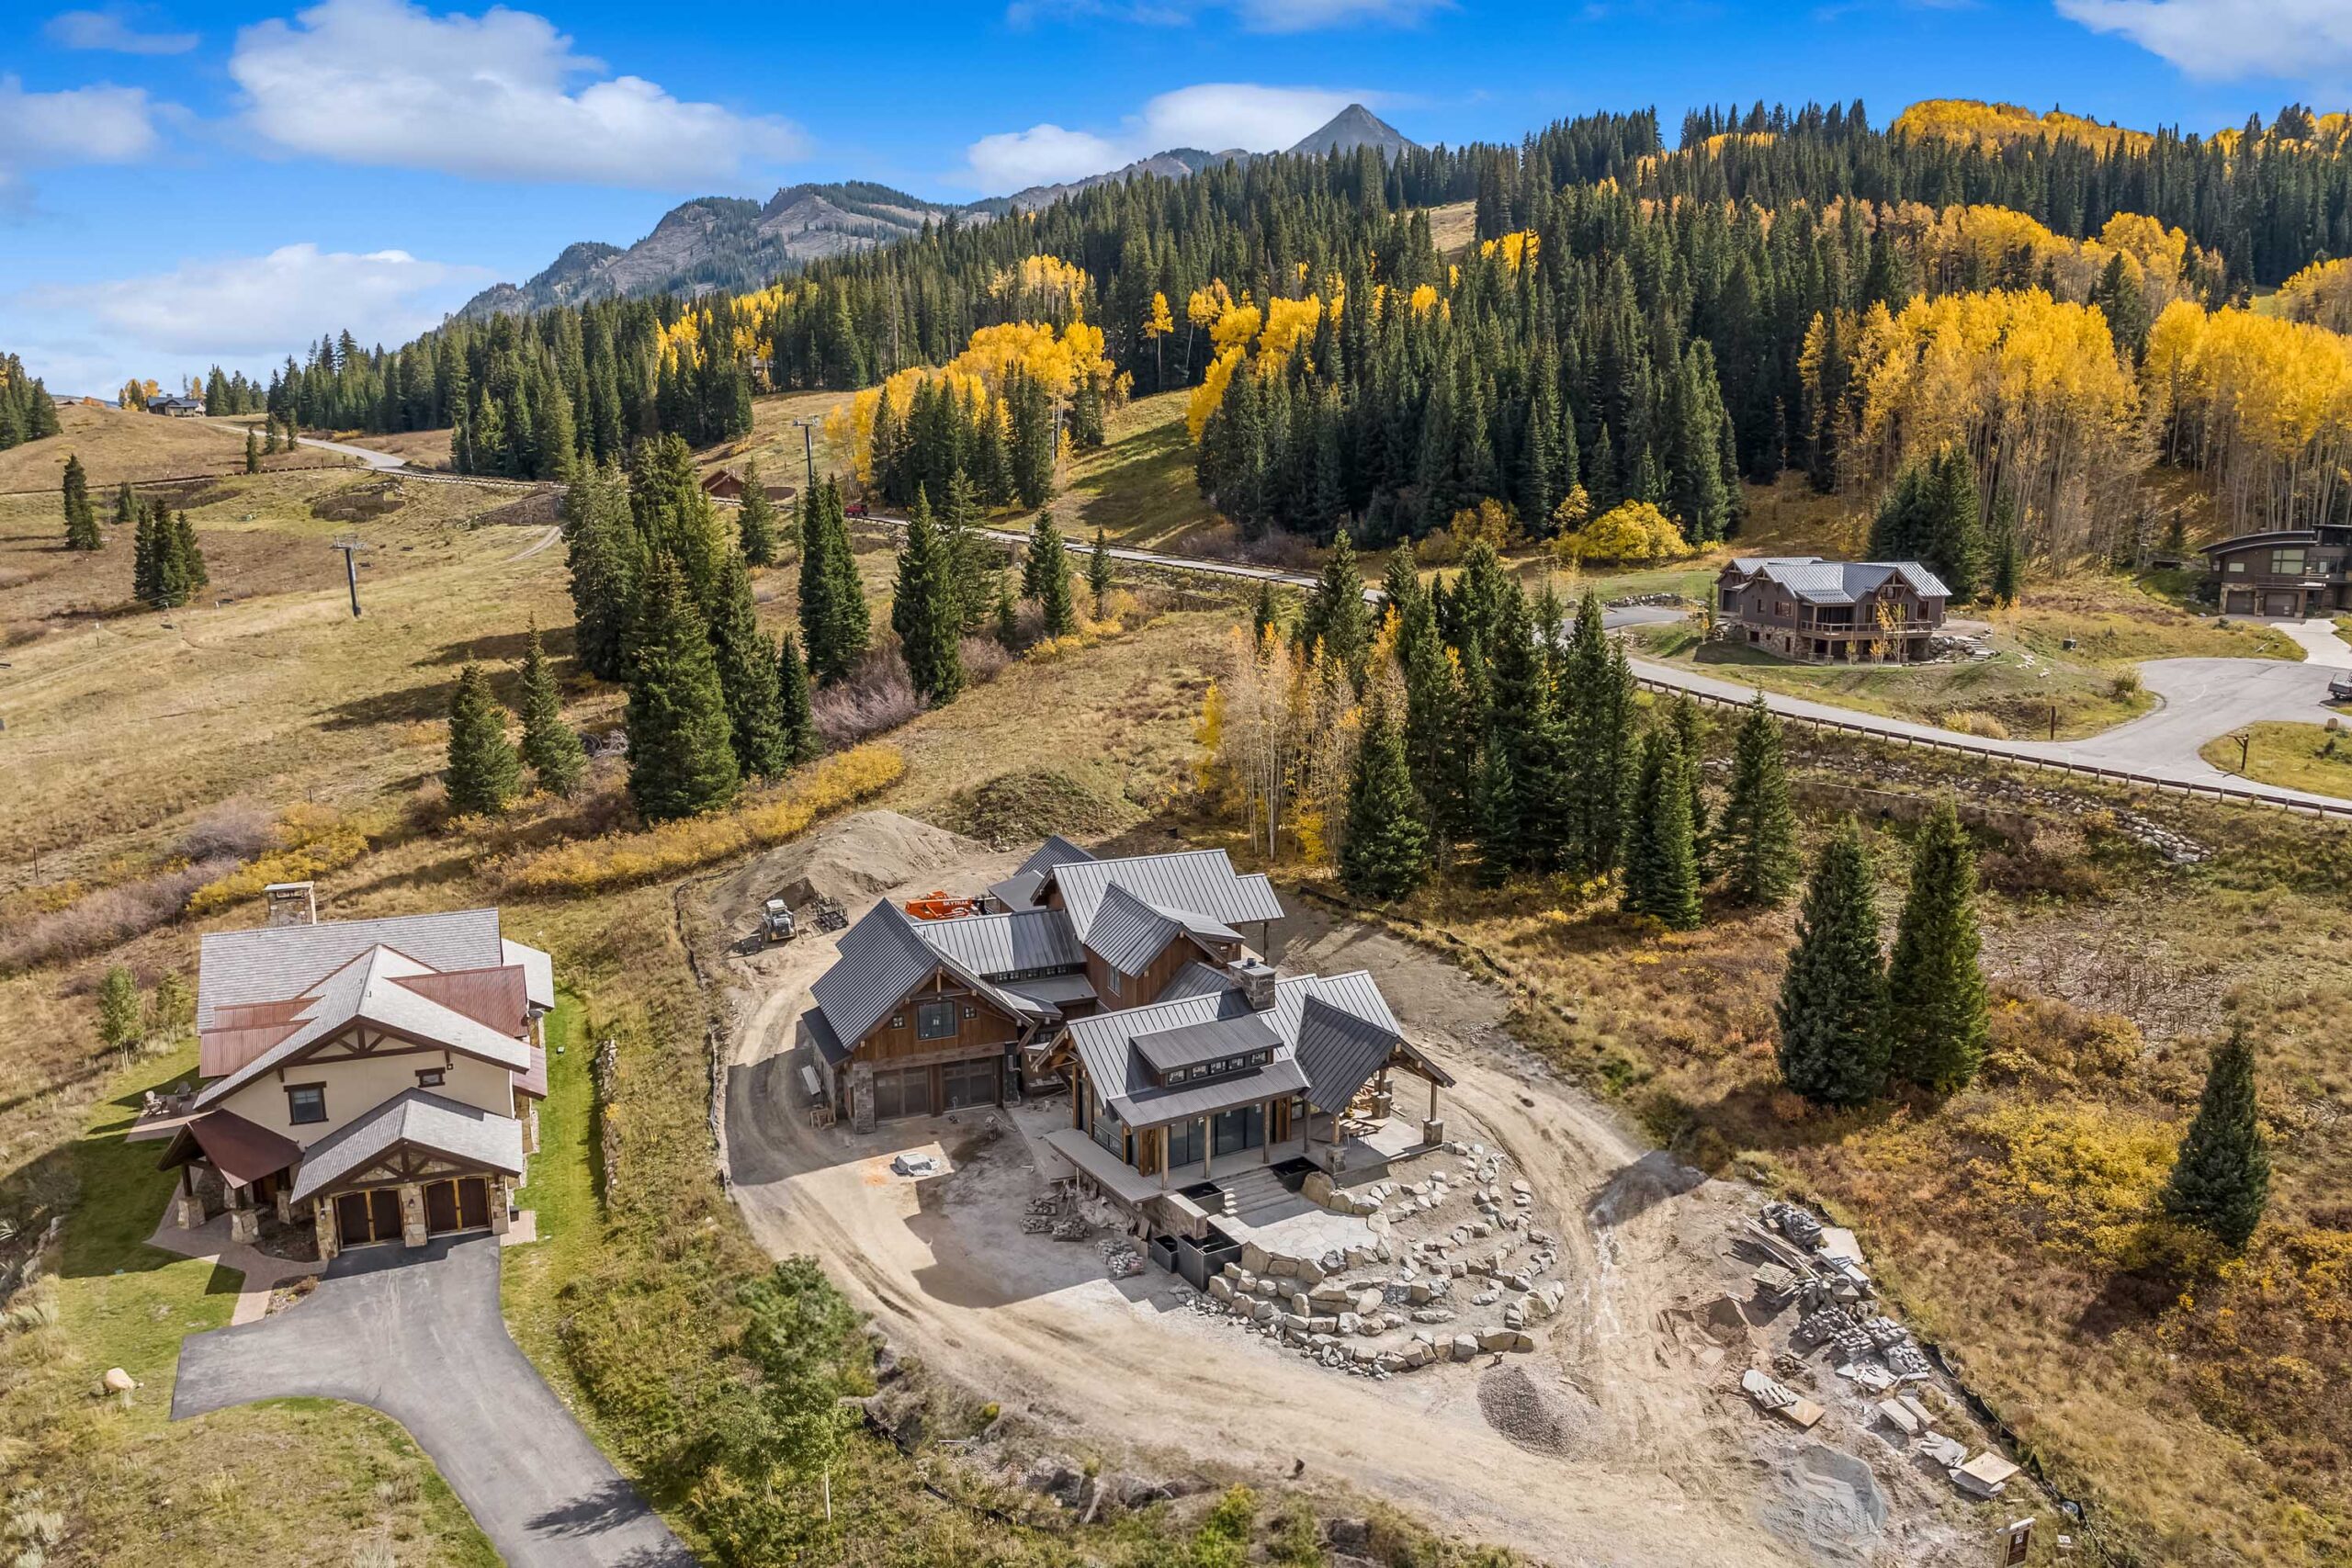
pixel 1351 128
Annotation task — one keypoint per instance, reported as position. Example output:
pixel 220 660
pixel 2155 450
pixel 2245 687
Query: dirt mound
pixel 1642 1186
pixel 849 859
pixel 1546 1420
pixel 1016 809
pixel 1826 1502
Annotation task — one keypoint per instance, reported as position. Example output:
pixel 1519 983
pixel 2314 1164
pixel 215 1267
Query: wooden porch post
pixel 1433 1099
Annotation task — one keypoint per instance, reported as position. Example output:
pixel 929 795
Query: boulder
pixel 1221 1288
pixel 1523 1342
pixel 1283 1267
pixel 1369 1326
pixel 1317 1190
pixel 1368 1299
pixel 1308 1269
pixel 1350 1323
pixel 1500 1339
pixel 1420 1353
pixel 1466 1347
pixel 1253 1257
pixel 1418 1292
pixel 117 1380
pixel 1331 1292
pixel 1262 1313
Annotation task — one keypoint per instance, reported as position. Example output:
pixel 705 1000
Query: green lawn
pixel 2294 756
pixel 560 1192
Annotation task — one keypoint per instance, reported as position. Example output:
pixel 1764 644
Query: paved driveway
pixel 418 1335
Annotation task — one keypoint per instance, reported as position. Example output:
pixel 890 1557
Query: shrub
pixel 1976 721
pixel 108 917
pixel 313 839
pixel 237 828
pixel 877 696
pixel 2125 685
pixel 675 848
pixel 1630 531
pixel 2073 1180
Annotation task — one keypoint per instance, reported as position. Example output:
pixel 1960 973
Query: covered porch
pixel 244 1165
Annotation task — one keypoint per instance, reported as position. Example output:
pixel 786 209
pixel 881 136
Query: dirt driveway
pixel 1665 1465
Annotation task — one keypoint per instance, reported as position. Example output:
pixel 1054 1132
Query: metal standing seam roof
pixel 1199 881
pixel 1820 581
pixel 265 963
pixel 882 959
pixel 1190 1045
pixel 1019 891
pixel 462 1133
pixel 539 972
pixel 368 989
pixel 1055 991
pixel 1338 1052
pixel 1128 933
pixel 241 1150
pixel 995 945
pixel 1105 1043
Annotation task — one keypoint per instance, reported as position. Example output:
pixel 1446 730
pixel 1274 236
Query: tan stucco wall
pixel 356 1087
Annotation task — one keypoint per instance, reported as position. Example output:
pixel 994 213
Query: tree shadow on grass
pixel 404 704
pixel 501 647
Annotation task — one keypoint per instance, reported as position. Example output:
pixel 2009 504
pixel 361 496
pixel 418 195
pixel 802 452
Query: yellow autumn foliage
pixel 618 859
pixel 1630 531
pixel 1993 126
pixel 1058 360
pixel 2320 293
pixel 312 840
pixel 2263 405
pixel 1517 250
pixel 2078 1181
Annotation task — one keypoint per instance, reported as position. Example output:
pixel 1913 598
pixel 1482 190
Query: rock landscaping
pixel 1455 1269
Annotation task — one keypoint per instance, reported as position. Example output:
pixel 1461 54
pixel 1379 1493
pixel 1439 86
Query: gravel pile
pixel 1531 1415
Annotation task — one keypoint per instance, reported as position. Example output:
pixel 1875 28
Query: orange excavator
pixel 941 906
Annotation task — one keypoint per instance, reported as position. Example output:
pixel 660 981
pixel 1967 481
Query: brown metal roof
pixel 242 1151
pixel 495 998
pixel 534 1082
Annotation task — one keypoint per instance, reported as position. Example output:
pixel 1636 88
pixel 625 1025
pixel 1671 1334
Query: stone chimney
pixel 1257 981
pixel 291 904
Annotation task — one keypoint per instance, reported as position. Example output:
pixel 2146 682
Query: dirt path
pixel 1668 1470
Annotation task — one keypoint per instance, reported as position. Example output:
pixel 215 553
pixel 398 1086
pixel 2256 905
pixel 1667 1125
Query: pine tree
pixel 1266 614
pixel 924 612
pixel 1008 614
pixel 1596 729
pixel 748 676
pixel 120 1023
pixel 252 453
pixel 835 625
pixel 1937 1013
pixel 794 707
pixel 1044 577
pixel 755 519
pixel 81 519
pixel 549 745
pixel 1832 1010
pixel 2008 572
pixel 147 562
pixel 1689 733
pixel 2221 1182
pixel 126 505
pixel 484 774
pixel 606 560
pixel 1386 853
pixel 1759 835
pixel 1098 575
pixel 1335 611
pixel 1661 864
pixel 970 558
pixel 189 557
pixel 681 756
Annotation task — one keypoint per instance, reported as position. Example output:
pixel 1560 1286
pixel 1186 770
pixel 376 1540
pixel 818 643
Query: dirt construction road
pixel 1664 1466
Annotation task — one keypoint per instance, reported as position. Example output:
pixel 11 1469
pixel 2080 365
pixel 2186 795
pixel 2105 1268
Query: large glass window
pixel 935 1021
pixel 2287 563
pixel 1245 1128
pixel 1184 1143
pixel 1108 1132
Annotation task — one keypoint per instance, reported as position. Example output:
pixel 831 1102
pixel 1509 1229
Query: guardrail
pixel 2051 764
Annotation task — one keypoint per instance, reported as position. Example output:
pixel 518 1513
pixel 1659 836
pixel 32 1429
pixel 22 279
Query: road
pixel 418 1335
pixel 382 461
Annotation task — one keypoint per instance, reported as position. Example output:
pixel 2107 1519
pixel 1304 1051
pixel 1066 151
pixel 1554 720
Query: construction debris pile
pixel 1816 1269
pixel 1455 1269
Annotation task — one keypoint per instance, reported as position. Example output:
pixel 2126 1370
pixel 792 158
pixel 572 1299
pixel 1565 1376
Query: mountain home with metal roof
pixel 1826 612
pixel 377 1080
pixel 917 1016
pixel 2283 574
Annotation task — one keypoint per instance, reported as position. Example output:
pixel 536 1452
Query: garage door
pixel 364 1217
pixel 2282 603
pixel 901 1091
pixel 965 1084
pixel 459 1205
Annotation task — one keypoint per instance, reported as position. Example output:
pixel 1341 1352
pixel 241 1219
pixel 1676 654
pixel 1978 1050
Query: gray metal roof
pixel 1128 933
pixel 1338 1051
pixel 883 958
pixel 1819 581
pixel 1056 851
pixel 1198 882
pixel 1055 991
pixel 464 1133
pixel 1019 891
pixel 996 945
pixel 1197 979
pixel 1106 1042
pixel 1190 1045
pixel 269 964
pixel 1157 1107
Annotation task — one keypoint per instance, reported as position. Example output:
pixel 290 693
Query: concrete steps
pixel 1258 1188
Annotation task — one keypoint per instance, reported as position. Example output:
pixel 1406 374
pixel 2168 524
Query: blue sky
pixel 190 181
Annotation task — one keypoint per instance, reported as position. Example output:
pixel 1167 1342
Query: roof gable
pixel 1194 881
pixel 883 958
pixel 274 962
pixel 418 1119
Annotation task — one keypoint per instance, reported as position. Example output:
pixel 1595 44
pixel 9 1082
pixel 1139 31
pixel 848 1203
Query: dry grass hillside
pixel 115 447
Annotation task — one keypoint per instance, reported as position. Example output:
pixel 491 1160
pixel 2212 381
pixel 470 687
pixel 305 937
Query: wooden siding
pixel 981 1028
pixel 1141 991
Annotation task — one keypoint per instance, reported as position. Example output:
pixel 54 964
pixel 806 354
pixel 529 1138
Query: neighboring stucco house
pixel 2283 574
pixel 378 1078
pixel 1821 611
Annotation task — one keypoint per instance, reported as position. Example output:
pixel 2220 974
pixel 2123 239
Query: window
pixel 935 1021
pixel 2287 563
pixel 1114 982
pixel 2237 566
pixel 432 1077
pixel 306 1102
pixel 1185 1144
pixel 1245 1128
pixel 897 1020
pixel 1108 1132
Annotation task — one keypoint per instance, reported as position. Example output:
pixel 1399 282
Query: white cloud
pixel 2297 40
pixel 79 125
pixel 1213 116
pixel 387 82
pixel 1255 16
pixel 243 311
pixel 111 30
